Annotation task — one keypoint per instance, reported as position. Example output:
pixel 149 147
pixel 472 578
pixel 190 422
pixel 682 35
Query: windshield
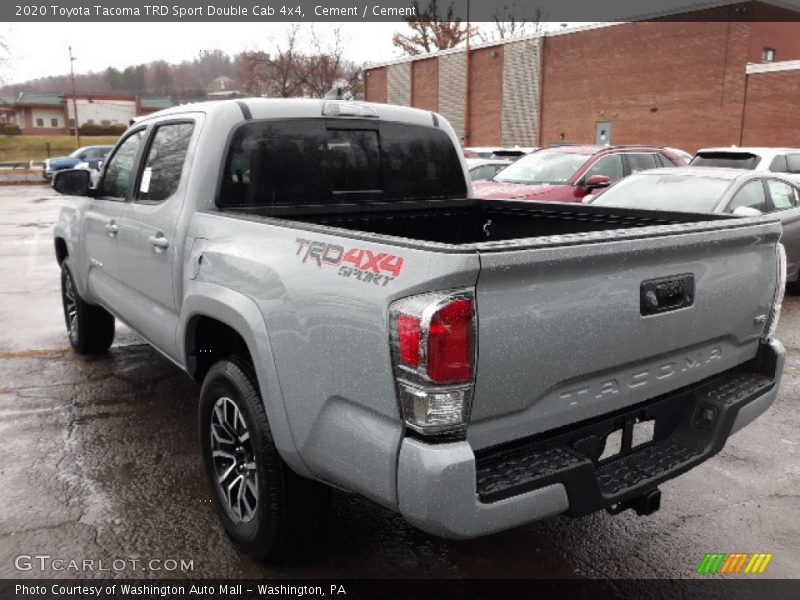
pixel 681 193
pixel 543 167
pixel 77 153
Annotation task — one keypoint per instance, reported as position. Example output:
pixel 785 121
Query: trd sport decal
pixel 358 263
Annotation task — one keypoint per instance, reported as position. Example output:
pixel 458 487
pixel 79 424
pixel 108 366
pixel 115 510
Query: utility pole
pixel 74 98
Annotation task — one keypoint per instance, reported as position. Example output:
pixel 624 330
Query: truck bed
pixel 475 221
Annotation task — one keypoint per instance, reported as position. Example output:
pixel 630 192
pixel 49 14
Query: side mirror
pixel 72 182
pixel 597 181
pixel 746 211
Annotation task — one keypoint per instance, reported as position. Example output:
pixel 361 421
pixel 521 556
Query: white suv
pixel 775 160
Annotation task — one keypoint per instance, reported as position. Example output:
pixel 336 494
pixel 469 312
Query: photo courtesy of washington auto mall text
pixel 400 299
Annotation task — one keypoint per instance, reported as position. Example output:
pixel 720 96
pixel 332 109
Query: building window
pixel 72 122
pixel 40 122
pixel 53 122
pixel 768 55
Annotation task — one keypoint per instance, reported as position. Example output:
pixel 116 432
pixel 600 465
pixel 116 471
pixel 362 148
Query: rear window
pixel 326 162
pixel 734 160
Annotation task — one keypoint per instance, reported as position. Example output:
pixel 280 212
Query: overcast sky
pixel 38 50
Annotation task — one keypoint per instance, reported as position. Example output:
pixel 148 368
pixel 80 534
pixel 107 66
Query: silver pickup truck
pixel 357 319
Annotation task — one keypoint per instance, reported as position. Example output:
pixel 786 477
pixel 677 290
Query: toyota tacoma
pixel 358 319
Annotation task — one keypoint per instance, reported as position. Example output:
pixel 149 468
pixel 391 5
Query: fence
pixel 31 155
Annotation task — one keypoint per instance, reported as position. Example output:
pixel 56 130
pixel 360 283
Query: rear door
pixel 640 161
pixel 147 241
pixel 564 335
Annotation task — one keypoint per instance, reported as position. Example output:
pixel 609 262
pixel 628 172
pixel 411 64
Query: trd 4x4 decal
pixel 359 263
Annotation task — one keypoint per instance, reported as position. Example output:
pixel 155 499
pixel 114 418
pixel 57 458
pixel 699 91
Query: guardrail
pixel 21 164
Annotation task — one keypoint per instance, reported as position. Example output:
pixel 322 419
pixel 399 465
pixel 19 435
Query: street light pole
pixel 74 98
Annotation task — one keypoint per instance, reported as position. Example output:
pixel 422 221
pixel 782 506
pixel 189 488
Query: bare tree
pixel 326 65
pixel 431 31
pixel 279 74
pixel 509 23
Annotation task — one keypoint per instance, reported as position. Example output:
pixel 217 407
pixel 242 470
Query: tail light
pixel 777 300
pixel 433 340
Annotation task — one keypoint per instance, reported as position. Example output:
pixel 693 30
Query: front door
pixel 602 133
pixel 148 248
pixel 102 224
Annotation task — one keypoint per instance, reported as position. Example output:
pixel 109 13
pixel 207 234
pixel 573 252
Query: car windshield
pixel 673 192
pixel 77 153
pixel 543 167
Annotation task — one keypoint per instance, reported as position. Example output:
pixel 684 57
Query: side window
pixel 481 173
pixel 641 162
pixel 778 164
pixel 783 195
pixel 663 161
pixel 119 172
pixel 610 166
pixel 752 195
pixel 793 163
pixel 164 162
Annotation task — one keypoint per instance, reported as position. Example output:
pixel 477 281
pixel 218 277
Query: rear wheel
pixel 267 510
pixel 90 328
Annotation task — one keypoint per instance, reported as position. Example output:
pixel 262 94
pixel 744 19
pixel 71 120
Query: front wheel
pixel 90 328
pixel 266 509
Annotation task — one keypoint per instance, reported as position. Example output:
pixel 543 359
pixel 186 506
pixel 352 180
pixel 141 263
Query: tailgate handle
pixel 666 293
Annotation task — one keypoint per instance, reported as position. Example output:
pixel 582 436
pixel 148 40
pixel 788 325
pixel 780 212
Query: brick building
pixel 724 75
pixel 53 114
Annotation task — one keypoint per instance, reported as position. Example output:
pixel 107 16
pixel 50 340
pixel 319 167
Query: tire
pixel 90 328
pixel 271 512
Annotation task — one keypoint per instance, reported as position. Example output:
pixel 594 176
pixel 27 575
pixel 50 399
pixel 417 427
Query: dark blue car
pixel 94 155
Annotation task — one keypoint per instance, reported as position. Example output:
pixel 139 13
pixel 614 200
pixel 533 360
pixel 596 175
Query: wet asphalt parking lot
pixel 100 460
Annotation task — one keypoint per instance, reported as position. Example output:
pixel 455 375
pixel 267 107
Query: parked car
pixel 566 173
pixel 510 152
pixel 485 168
pixel 719 190
pixel 773 160
pixel 358 319
pixel 85 154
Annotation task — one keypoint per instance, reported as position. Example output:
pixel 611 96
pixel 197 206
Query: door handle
pixel 112 228
pixel 159 242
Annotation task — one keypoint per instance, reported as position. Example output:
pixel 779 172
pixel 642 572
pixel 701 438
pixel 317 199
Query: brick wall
pixel 425 84
pixel 398 86
pixel 452 84
pixel 486 97
pixel 664 83
pixel 770 117
pixel 375 85
pixel 774 27
pixel 521 87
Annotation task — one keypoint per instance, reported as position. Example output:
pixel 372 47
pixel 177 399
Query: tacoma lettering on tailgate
pixel 608 387
pixel 357 263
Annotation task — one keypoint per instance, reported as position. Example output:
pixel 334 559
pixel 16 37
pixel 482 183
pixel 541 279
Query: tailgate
pixel 561 332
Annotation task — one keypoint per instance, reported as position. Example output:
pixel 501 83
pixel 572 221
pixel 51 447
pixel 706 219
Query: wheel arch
pixel 220 322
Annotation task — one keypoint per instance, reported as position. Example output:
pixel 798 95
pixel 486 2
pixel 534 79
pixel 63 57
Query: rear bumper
pixel 447 490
